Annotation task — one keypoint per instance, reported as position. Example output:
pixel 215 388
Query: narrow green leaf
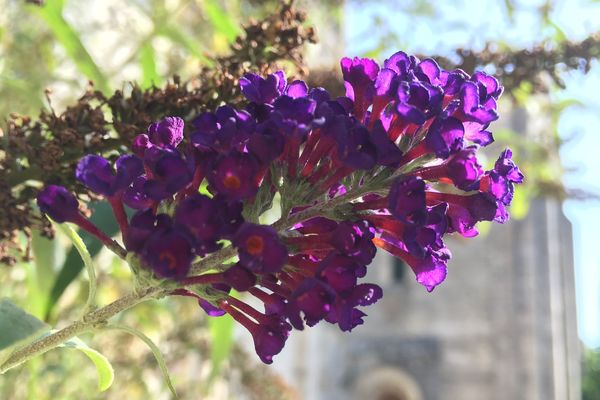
pixel 566 103
pixel 220 20
pixel 221 334
pixel 377 50
pixel 148 65
pixel 47 255
pixel 69 39
pixel 559 35
pixel 510 10
pixel 87 261
pixel 102 217
pixel 36 298
pixel 155 351
pixel 106 374
pixel 17 328
pixel 178 37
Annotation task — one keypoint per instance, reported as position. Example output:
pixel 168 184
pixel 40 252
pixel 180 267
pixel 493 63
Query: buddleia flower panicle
pixel 392 164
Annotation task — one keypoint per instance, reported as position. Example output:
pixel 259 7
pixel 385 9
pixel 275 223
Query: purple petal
pixel 297 89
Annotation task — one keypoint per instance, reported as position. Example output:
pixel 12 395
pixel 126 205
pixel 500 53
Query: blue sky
pixel 470 23
pixel 579 126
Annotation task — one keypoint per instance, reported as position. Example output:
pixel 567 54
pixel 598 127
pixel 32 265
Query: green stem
pixel 213 260
pixel 87 261
pixel 320 209
pixel 155 350
pixel 89 322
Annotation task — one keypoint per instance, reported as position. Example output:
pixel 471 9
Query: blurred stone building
pixel 501 327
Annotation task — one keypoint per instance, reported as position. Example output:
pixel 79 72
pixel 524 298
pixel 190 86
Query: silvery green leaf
pixel 106 374
pixel 17 328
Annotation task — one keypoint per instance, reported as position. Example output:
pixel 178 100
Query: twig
pixel 87 323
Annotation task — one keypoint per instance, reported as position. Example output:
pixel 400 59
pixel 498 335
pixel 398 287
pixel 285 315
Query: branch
pixel 87 323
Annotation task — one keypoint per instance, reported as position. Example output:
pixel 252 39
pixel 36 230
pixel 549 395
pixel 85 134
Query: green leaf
pixel 510 10
pixel 155 351
pixel 221 334
pixel 87 261
pixel 562 105
pixel 148 65
pixel 69 39
pixel 17 328
pixel 220 20
pixel 376 51
pixel 178 37
pixel 47 254
pixel 106 374
pixel 103 218
pixel 559 34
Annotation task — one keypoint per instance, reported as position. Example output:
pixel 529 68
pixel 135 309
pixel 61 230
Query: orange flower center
pixel 232 182
pixel 169 259
pixel 255 245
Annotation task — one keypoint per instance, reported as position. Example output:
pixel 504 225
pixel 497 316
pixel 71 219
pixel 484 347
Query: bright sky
pixel 579 126
pixel 470 23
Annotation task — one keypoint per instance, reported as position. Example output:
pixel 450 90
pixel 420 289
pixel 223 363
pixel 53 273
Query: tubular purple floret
pixel 393 164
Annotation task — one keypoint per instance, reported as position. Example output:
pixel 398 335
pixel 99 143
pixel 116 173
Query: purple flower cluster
pixel 393 164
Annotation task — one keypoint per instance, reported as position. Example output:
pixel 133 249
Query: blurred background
pixel 519 314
